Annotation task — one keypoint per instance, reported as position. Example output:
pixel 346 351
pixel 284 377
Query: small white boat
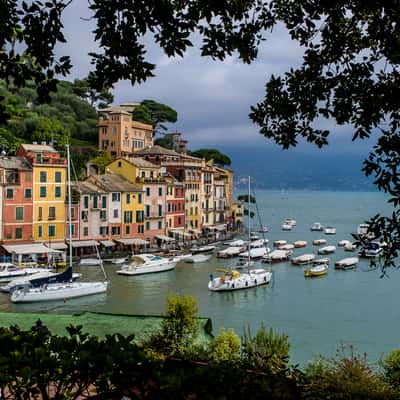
pixel 290 221
pixel 330 230
pixel 279 243
pixel 255 253
pixel 237 243
pixel 58 291
pixel 198 258
pixel 371 250
pixel 234 280
pixel 287 246
pixel 230 252
pixel 147 264
pixel 89 261
pixel 120 260
pixel 258 243
pixel 287 227
pixel 327 250
pixel 346 263
pixel 317 270
pixel 319 242
pixel 343 243
pixel 9 271
pixel 320 261
pixel 316 226
pixel 182 257
pixel 349 247
pixel 303 259
pixel 299 243
pixel 203 249
pixel 277 256
pixel 362 229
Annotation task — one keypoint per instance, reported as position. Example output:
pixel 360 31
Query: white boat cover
pixel 107 243
pixel 165 238
pixel 84 243
pixel 29 248
pixel 128 241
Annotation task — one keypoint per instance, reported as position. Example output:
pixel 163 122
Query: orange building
pixel 119 135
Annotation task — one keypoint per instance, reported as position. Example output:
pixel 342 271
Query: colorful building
pixel 207 195
pixel 119 135
pixel 49 191
pixel 175 212
pixel 16 200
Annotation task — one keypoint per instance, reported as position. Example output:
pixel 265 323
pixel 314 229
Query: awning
pixel 107 243
pixel 129 241
pixel 84 243
pixel 30 248
pixel 220 227
pixel 57 246
pixel 195 231
pixel 165 238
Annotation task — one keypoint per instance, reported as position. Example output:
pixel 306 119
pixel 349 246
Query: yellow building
pixel 49 191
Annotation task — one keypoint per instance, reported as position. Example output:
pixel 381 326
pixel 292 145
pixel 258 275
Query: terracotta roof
pixel 116 183
pixel 88 187
pixel 11 162
pixel 39 148
pixel 140 162
pixel 156 150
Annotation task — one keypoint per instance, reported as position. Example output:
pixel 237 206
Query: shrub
pixel 391 367
pixel 225 346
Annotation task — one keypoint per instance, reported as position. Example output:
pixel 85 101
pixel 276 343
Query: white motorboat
pixel 299 243
pixel 290 221
pixel 203 249
pixel 349 246
pixel 343 243
pixel 327 250
pixel 258 243
pixel 34 280
pixel 346 263
pixel 316 226
pixel 62 290
pixel 303 259
pixel 198 258
pixel 319 242
pixel 89 261
pixel 147 264
pixel 234 280
pixel 330 230
pixel 287 246
pixel 287 227
pixel 9 271
pixel 371 250
pixel 279 243
pixel 230 252
pixel 277 256
pixel 255 253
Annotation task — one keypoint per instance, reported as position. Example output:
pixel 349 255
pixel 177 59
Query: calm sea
pixel 354 307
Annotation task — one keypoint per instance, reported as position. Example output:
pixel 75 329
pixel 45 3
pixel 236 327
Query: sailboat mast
pixel 69 206
pixel 249 228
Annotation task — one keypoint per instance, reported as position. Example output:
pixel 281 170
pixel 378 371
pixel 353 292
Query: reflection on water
pixel 317 314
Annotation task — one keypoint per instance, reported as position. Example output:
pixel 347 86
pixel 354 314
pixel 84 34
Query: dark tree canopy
pixel 164 141
pixel 212 154
pixel 350 72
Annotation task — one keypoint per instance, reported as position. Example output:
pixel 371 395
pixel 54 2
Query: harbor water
pixel 355 307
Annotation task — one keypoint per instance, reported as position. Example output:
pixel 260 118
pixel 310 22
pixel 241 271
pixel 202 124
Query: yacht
pixel 147 264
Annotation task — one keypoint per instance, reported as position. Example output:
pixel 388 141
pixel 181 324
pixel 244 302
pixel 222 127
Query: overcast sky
pixel 212 98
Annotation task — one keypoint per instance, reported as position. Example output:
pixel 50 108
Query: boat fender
pixel 255 281
pixel 265 279
pixel 233 286
pixel 247 283
pixel 211 276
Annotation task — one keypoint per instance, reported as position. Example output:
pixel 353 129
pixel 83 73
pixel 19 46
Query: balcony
pixel 154 216
pixel 51 217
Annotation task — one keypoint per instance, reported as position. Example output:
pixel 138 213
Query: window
pixel 28 193
pixel 104 230
pixel 104 202
pixel 115 213
pixel 86 202
pixel 140 229
pixel 147 208
pixel 127 230
pixel 85 231
pixel 103 215
pixel 58 191
pixel 159 224
pixel 160 210
pixel 127 217
pixel 42 191
pixel 40 213
pixel 84 216
pixel 128 198
pixel 38 158
pixel 140 198
pixel 139 216
pixel 160 191
pixel 147 191
pixel 119 164
pixel 115 230
pixel 94 201
pixel 52 213
pixel 57 177
pixel 72 229
pixel 43 176
pixel 52 231
pixel 10 193
pixel 147 225
pixel 19 213
pixel 116 196
pixel 18 233
pixel 179 220
pixel 40 231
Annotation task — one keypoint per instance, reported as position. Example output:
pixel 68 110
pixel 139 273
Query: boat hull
pixel 245 281
pixel 138 270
